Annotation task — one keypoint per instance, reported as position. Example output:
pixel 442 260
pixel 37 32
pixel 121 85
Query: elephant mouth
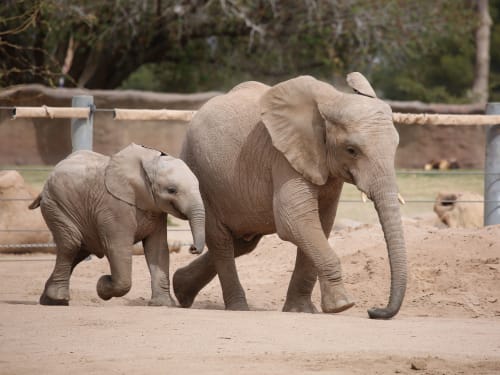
pixel 348 176
pixel 176 212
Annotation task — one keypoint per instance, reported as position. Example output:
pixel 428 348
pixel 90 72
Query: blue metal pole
pixel 82 128
pixel 492 170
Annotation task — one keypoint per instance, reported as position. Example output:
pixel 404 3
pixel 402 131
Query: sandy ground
pixel 449 323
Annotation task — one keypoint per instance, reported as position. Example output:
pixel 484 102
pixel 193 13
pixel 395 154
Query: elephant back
pixel 74 177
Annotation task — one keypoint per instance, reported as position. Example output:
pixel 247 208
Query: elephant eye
pixel 351 151
pixel 172 190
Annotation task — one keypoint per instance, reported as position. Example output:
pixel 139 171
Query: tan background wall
pixel 44 141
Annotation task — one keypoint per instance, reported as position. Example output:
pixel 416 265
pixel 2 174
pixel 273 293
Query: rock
pixel 443 164
pixel 418 364
pixel 459 210
pixel 16 215
pixel 342 224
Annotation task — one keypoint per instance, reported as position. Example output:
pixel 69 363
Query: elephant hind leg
pixel 189 280
pixel 56 291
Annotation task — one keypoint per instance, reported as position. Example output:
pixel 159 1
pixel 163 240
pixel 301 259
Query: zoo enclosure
pixel 82 113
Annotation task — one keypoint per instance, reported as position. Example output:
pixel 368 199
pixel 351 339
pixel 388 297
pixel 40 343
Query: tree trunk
pixel 481 79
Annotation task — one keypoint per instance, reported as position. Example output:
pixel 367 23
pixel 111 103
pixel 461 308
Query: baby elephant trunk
pixel 196 217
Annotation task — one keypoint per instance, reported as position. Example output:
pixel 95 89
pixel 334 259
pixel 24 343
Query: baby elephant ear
pixel 150 166
pixel 360 84
pixel 126 178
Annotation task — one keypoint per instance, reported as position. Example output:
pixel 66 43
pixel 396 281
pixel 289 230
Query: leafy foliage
pixel 495 51
pixel 444 74
pixel 412 50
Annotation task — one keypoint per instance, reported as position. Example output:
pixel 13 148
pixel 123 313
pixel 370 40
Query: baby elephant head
pixel 153 181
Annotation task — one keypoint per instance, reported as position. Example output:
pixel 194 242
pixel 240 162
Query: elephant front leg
pixel 120 281
pixel 334 297
pixel 158 259
pixel 304 276
pixel 297 218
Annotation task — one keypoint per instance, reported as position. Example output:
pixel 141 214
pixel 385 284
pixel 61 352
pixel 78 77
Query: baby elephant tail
pixel 36 202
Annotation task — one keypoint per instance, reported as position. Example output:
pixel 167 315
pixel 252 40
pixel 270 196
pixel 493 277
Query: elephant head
pixel 323 132
pixel 153 181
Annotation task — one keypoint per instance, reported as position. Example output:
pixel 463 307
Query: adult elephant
pixel 274 159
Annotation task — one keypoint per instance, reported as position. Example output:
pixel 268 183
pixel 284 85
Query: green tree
pixel 495 52
pixel 188 45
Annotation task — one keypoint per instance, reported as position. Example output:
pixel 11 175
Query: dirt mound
pixel 452 272
pixel 15 215
pixel 460 209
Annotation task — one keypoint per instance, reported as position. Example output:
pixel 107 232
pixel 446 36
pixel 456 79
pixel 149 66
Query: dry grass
pixel 413 186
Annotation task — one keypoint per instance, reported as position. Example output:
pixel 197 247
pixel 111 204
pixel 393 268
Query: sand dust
pixel 449 323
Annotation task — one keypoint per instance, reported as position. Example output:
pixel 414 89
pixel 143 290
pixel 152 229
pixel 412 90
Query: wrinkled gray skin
pixel 98 205
pixel 274 159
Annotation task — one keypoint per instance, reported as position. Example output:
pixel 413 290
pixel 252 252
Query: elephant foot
pixel 237 306
pixel 164 300
pixel 184 291
pixel 46 300
pixel 106 288
pixel 338 306
pixel 301 305
pixel 334 298
pixel 53 296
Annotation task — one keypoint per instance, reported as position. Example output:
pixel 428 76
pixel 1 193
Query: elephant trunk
pixel 196 217
pixel 384 194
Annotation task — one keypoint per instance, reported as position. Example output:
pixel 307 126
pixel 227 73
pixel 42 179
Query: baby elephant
pixel 94 204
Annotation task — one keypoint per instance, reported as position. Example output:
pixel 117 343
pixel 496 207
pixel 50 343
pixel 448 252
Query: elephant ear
pixel 360 84
pixel 126 177
pixel 290 113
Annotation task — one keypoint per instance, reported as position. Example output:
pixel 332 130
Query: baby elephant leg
pixel 158 258
pixel 56 291
pixel 120 281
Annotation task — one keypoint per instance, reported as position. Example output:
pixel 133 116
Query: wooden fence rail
pixel 181 115
pixel 83 109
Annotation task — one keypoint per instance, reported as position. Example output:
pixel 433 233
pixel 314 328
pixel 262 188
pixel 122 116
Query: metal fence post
pixel 82 128
pixel 492 170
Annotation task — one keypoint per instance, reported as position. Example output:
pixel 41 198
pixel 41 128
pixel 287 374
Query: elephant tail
pixel 36 202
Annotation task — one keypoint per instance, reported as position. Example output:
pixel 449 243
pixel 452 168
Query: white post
pixel 492 170
pixel 82 128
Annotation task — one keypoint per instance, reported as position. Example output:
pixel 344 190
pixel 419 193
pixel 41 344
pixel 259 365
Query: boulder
pixel 15 215
pixel 459 209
